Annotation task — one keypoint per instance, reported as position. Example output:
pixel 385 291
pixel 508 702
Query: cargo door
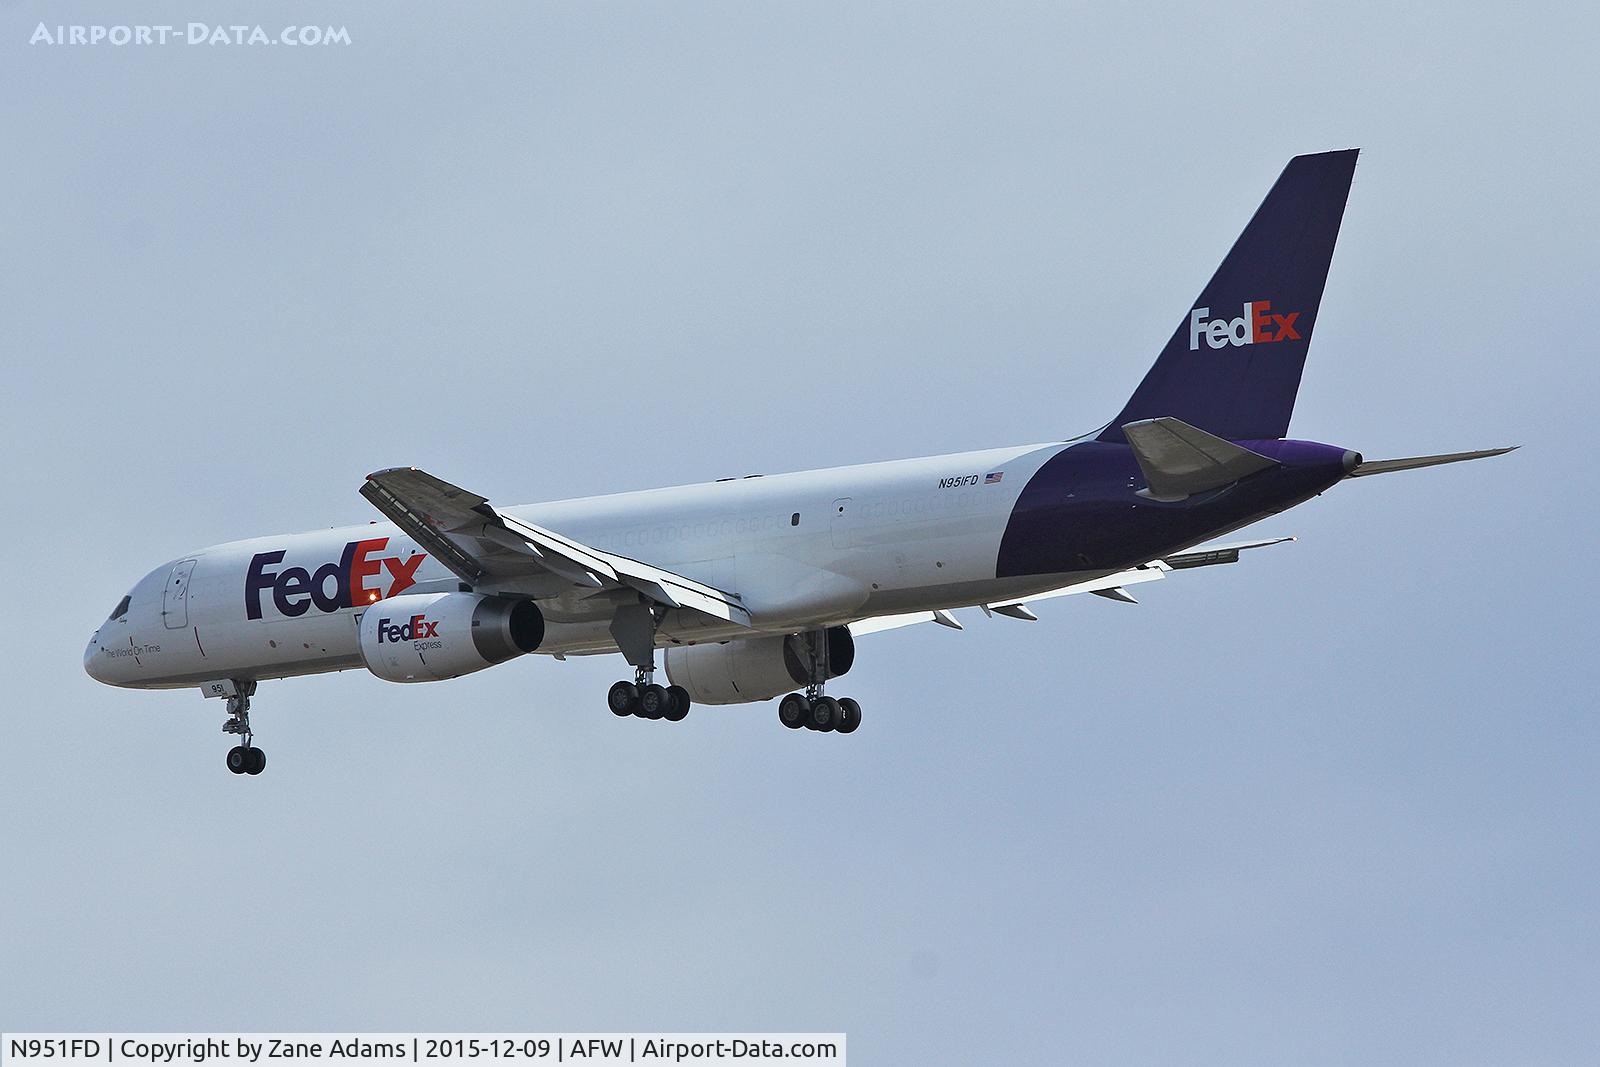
pixel 175 601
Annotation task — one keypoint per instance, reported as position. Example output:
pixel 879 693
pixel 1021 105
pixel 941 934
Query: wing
pixel 480 544
pixel 1110 586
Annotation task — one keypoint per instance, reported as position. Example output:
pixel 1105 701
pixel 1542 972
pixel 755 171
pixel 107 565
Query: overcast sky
pixel 1336 804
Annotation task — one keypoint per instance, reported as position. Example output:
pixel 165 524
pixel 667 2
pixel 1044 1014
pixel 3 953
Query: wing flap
pixel 1110 586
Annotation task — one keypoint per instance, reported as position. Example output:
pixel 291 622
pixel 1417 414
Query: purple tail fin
pixel 1233 367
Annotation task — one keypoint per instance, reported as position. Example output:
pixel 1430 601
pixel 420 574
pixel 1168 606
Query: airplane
pixel 757 587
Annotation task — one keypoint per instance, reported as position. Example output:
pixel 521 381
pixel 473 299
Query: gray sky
pixel 1336 804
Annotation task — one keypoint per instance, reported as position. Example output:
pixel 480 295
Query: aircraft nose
pixel 92 665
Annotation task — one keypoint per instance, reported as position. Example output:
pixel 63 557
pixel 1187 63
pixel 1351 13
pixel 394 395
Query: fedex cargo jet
pixel 758 587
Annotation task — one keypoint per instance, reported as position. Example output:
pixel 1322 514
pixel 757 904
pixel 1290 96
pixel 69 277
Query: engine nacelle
pixel 427 637
pixel 737 672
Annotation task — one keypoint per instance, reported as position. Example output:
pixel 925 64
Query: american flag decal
pixel 993 478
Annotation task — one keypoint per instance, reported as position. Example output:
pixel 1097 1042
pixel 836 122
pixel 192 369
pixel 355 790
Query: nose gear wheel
pixel 244 758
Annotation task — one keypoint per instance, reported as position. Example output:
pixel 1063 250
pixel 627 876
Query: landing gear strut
pixel 812 709
pixel 634 629
pixel 243 758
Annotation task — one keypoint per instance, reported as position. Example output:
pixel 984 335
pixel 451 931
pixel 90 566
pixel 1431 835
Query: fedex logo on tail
pixel 1257 326
pixel 334 585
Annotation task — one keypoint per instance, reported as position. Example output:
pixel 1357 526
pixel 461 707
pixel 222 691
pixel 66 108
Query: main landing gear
pixel 811 709
pixel 647 700
pixel 634 628
pixel 243 758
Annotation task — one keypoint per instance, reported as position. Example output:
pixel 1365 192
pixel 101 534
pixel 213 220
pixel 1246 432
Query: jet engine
pixel 760 668
pixel 427 637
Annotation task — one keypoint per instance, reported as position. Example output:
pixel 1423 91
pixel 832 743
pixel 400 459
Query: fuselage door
pixel 175 601
pixel 843 519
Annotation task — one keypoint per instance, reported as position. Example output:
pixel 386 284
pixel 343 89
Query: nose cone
pixel 93 661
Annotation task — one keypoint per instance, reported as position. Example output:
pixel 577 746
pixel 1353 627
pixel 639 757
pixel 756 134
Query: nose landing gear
pixel 243 758
pixel 246 760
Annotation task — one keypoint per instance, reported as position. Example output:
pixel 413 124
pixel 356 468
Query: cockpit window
pixel 121 608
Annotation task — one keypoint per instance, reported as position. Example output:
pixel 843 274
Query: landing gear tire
pixel 243 758
pixel 825 714
pixel 678 703
pixel 623 699
pixel 794 710
pixel 653 701
pixel 849 716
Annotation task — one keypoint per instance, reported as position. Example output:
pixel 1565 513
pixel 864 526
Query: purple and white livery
pixel 758 587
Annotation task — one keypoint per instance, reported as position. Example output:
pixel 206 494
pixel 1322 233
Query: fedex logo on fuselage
pixel 416 628
pixel 334 585
pixel 1257 326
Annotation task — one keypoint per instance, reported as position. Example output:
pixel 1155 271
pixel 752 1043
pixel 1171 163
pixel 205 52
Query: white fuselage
pixel 802 550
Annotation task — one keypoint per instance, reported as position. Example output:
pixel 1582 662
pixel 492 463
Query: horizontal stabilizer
pixel 1179 460
pixel 1384 466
